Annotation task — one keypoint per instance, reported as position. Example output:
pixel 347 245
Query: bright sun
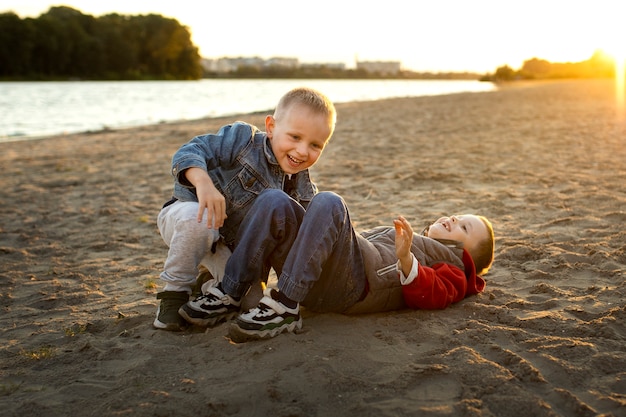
pixel 619 55
pixel 614 46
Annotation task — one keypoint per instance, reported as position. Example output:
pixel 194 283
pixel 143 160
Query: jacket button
pixel 250 182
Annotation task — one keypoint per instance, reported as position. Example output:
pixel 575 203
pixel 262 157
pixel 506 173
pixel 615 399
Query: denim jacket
pixel 241 164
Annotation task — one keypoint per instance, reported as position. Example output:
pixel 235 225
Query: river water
pixel 34 109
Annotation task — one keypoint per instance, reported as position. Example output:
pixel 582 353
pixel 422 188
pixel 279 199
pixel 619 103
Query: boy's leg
pixel 263 241
pixel 188 242
pixel 324 268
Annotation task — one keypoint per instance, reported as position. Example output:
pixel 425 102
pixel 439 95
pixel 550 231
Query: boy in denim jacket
pixel 219 176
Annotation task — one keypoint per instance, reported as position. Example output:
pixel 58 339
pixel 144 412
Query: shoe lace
pixel 208 297
pixel 263 310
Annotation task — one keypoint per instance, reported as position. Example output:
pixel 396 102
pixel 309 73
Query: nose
pixel 454 219
pixel 301 149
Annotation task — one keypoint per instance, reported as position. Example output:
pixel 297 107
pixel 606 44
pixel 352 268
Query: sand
pixel 80 256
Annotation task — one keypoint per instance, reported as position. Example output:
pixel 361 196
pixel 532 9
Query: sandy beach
pixel 80 256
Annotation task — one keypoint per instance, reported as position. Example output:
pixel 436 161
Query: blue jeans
pixel 315 253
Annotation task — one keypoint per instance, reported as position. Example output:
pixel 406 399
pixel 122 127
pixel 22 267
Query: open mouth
pixel 294 161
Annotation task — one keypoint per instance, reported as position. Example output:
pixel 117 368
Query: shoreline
pixel 235 116
pixel 95 106
pixel 81 254
pixel 244 115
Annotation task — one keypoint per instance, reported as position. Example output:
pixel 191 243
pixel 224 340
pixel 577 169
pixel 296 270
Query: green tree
pixel 166 50
pixel 16 45
pixel 504 73
pixel 536 68
pixel 50 54
pixel 63 42
pixel 120 48
pixel 83 48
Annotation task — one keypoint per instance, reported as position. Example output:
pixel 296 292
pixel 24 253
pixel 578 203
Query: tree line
pixel 600 65
pixel 64 43
pixel 324 72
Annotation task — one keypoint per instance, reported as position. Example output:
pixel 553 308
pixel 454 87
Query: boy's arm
pixel 193 160
pixel 404 239
pixel 424 287
pixel 209 197
pixel 211 151
pixel 436 287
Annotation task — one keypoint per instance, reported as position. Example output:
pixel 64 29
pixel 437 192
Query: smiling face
pixel 298 137
pixel 467 228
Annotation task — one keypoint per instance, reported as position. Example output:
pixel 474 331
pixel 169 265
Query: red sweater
pixel 442 284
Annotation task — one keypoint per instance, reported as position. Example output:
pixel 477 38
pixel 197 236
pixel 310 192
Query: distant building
pixel 380 67
pixel 226 64
pixel 329 65
pixel 233 64
pixel 209 64
pixel 282 62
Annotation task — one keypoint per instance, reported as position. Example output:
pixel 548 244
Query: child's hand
pixel 404 239
pixel 209 198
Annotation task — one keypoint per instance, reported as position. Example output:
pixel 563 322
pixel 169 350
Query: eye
pixel 464 228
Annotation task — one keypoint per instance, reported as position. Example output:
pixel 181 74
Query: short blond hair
pixel 484 251
pixel 313 99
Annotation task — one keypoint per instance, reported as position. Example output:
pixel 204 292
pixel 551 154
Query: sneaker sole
pixel 239 335
pixel 207 322
pixel 169 327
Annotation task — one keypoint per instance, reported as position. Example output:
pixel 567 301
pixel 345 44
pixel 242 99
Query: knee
pixel 190 227
pixel 181 218
pixel 273 196
pixel 327 199
pixel 274 200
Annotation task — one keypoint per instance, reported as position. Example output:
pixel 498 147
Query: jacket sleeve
pixel 435 287
pixel 212 150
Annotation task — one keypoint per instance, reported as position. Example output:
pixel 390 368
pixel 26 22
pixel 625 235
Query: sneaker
pixel 167 317
pixel 211 308
pixel 270 318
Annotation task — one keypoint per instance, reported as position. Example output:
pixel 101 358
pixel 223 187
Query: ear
pixel 270 122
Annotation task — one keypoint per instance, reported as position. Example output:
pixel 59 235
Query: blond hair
pixel 484 251
pixel 313 99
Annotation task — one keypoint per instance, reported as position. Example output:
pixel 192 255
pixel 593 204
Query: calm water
pixel 33 109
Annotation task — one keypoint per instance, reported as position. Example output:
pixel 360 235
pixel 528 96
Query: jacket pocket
pixel 244 189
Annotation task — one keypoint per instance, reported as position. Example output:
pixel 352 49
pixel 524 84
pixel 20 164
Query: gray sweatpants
pixel 189 245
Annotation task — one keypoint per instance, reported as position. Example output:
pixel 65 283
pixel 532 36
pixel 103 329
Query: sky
pixel 424 35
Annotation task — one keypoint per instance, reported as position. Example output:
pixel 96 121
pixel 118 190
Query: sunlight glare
pixel 620 87
pixel 615 47
pixel 618 53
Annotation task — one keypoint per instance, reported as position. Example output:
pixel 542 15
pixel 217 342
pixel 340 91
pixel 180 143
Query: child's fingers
pixel 200 213
pixel 402 223
pixel 406 226
pixel 398 226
